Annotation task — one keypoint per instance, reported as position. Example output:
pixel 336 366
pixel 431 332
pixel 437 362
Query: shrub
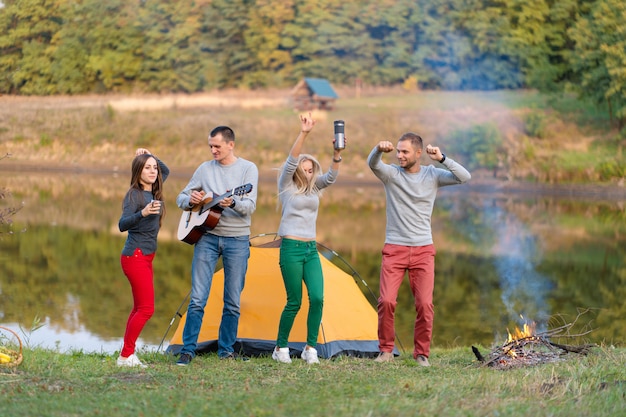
pixel 481 146
pixel 535 124
pixel 611 169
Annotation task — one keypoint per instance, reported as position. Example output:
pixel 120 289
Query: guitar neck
pixel 215 201
pixel 219 198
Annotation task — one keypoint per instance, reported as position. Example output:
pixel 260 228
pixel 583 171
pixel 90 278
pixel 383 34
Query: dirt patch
pixel 149 102
pixel 173 101
pixel 133 377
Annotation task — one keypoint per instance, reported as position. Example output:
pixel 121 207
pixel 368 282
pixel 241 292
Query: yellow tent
pixel 349 322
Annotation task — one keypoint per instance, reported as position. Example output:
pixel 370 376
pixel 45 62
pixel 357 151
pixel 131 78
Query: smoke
pixel 524 289
pixel 516 252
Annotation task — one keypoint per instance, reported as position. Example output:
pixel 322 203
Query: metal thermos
pixel 340 138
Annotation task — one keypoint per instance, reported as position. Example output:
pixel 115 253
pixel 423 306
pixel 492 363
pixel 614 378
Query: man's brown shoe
pixel 422 360
pixel 384 357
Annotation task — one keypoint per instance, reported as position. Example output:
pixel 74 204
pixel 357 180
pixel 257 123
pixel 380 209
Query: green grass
pixel 76 384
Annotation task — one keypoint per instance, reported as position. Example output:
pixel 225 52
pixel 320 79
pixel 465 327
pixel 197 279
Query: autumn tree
pixel 174 54
pixel 598 59
pixel 27 28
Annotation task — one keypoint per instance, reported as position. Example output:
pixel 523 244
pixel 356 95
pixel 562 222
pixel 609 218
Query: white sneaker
pixel 310 355
pixel 130 361
pixel 422 360
pixel 281 355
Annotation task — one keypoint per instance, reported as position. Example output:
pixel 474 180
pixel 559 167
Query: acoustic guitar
pixel 205 216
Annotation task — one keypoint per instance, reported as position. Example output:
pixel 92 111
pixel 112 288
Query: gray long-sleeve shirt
pixel 299 211
pixel 211 176
pixel 142 231
pixel 411 197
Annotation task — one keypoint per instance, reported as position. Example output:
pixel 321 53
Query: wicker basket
pixel 7 348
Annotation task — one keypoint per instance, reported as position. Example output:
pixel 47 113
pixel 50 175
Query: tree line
pixel 92 46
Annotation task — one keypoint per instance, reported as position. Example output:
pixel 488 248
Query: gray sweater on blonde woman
pixel 411 197
pixel 299 211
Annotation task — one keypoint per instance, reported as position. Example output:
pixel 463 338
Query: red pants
pixel 419 261
pixel 138 270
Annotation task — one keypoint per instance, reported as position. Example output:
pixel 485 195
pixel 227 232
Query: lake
pixel 506 254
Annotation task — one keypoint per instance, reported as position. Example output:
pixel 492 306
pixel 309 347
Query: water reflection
pixel 499 255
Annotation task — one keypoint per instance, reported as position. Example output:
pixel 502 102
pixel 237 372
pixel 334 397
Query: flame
pixel 514 339
pixel 527 330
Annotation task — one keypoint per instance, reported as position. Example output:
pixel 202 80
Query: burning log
pixel 528 352
pixel 526 348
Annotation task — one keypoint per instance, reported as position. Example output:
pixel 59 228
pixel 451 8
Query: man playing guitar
pixel 229 239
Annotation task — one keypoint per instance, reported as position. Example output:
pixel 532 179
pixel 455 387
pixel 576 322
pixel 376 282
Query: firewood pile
pixel 528 348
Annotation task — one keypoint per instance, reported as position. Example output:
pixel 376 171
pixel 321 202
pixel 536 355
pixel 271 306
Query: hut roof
pixel 319 87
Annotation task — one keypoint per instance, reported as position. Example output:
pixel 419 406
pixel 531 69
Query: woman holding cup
pixel 142 212
pixel 300 184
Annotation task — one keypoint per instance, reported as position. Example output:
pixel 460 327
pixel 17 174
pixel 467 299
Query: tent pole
pixel 177 313
pixel 324 337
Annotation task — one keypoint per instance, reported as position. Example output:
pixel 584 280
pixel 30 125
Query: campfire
pixel 527 347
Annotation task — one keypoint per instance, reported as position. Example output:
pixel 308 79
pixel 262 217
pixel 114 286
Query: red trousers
pixel 419 261
pixel 138 270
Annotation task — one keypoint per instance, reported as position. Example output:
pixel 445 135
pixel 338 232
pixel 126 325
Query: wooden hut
pixel 313 93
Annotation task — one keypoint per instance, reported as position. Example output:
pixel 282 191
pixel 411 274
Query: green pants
pixel 299 261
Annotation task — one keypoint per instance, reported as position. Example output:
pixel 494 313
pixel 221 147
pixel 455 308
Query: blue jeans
pixel 235 252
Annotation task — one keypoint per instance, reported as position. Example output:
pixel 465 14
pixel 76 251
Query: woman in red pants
pixel 142 212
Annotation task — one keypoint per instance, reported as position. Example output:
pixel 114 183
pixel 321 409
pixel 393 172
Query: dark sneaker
pixel 234 356
pixel 184 359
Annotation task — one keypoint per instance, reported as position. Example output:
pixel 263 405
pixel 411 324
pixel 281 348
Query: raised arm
pixel 165 171
pixel 306 125
pixel 459 173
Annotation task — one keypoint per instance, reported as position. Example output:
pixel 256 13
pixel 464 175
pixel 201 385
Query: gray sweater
pixel 299 211
pixel 211 176
pixel 411 197
pixel 142 231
